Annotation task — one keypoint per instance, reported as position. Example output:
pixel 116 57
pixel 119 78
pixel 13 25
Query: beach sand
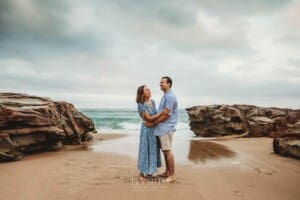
pixel 252 172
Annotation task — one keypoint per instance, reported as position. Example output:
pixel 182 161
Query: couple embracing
pixel 157 131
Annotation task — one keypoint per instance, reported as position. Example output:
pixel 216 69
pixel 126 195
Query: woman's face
pixel 147 92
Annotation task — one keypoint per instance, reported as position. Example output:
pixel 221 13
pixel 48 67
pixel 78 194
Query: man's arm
pixel 164 116
pixel 169 105
pixel 145 115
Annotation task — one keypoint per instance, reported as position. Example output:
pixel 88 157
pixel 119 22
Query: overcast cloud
pixel 96 53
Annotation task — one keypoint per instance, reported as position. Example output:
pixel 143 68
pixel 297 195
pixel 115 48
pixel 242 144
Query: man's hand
pixel 166 111
pixel 149 124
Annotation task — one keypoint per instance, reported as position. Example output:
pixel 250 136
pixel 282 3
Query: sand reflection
pixel 200 151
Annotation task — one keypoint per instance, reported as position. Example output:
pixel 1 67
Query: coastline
pixel 78 173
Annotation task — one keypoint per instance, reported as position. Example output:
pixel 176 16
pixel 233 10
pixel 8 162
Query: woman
pixel 149 154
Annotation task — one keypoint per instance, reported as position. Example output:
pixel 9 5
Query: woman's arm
pixel 145 115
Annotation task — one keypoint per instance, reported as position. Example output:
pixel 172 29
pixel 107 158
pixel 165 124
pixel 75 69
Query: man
pixel 165 126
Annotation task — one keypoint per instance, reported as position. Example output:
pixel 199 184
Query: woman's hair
pixel 140 94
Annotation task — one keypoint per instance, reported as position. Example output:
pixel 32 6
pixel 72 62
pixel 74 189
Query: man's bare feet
pixel 165 174
pixel 171 179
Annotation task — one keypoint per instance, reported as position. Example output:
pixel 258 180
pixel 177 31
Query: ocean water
pixel 126 121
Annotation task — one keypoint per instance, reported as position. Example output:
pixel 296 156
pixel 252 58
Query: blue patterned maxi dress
pixel 149 152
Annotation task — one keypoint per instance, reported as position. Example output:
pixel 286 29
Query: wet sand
pixel 247 170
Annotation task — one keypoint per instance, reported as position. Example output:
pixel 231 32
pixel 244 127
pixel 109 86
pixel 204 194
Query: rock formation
pixel 30 123
pixel 249 121
pixel 287 145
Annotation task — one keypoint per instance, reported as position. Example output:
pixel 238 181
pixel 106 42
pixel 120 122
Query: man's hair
pixel 169 80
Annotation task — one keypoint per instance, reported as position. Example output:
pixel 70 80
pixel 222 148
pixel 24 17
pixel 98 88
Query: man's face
pixel 164 85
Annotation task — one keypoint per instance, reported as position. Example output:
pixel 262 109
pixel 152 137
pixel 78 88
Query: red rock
pixel 221 120
pixel 30 123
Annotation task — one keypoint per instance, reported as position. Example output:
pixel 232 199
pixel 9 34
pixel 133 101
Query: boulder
pixel 287 145
pixel 246 120
pixel 31 123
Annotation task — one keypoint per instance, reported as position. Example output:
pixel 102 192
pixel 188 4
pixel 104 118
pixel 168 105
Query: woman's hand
pixel 149 124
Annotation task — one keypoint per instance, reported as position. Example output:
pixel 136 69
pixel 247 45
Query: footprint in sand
pixel 257 170
pixel 102 182
pixel 93 167
pixel 62 182
pixel 72 159
pixel 238 193
pixel 263 171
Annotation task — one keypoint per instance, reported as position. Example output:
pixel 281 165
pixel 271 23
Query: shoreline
pixel 78 173
pixel 108 136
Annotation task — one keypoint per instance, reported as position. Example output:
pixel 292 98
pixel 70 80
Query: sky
pixel 96 53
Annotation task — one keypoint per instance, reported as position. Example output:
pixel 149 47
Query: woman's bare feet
pixel 151 175
pixel 141 177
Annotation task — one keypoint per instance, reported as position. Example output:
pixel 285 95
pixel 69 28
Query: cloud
pixel 240 8
pixel 32 29
pixel 96 53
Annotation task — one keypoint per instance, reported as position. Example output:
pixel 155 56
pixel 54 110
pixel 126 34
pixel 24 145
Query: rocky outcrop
pixel 30 123
pixel 245 120
pixel 287 145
